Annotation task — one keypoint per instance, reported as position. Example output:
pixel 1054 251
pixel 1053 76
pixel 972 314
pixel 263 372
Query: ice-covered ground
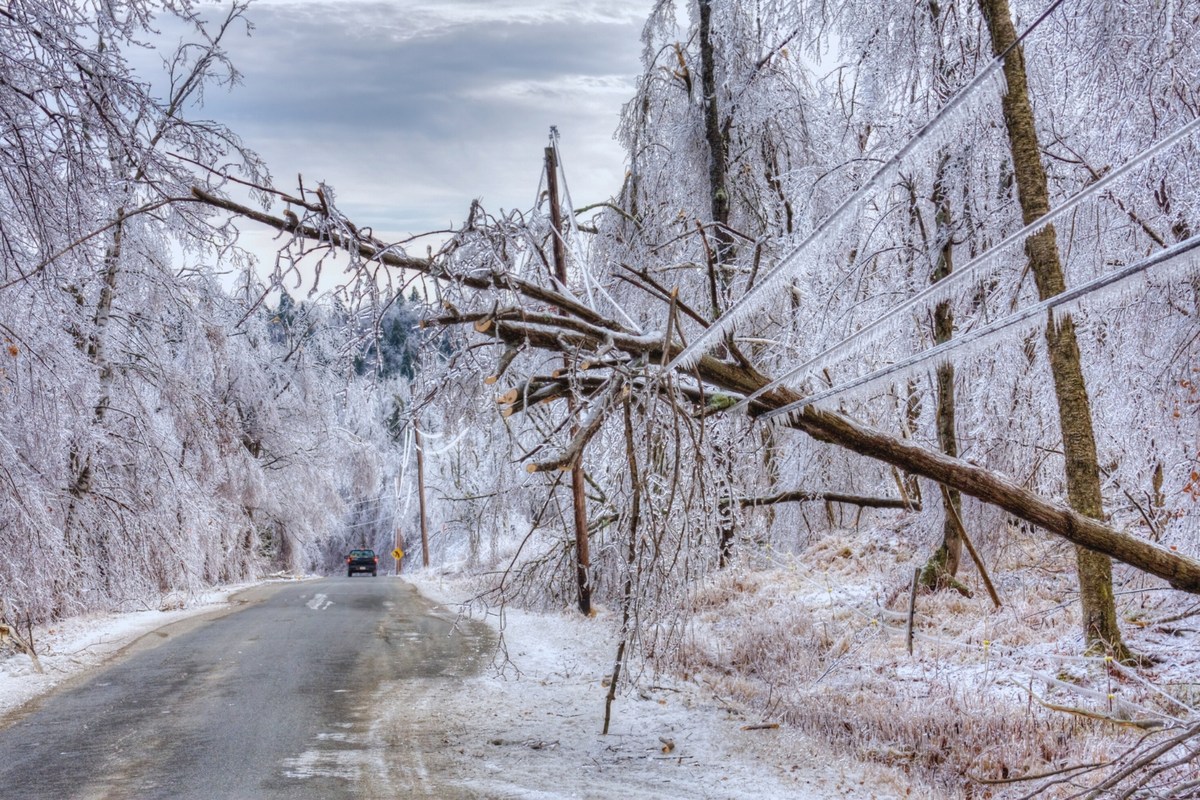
pixel 528 726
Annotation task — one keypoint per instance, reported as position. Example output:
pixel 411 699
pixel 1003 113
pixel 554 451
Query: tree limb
pixel 830 497
pixel 568 458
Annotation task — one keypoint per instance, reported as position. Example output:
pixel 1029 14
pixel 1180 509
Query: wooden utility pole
pixel 421 493
pixel 560 250
pixel 578 498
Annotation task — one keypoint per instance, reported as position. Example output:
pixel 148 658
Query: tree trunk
pixel 1100 629
pixel 81 462
pixel 635 518
pixel 723 254
pixel 420 447
pixel 942 568
pixel 718 151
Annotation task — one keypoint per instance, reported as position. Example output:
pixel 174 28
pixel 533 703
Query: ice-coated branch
pixel 568 458
pixel 827 426
pixel 825 497
pixel 582 330
pixel 506 360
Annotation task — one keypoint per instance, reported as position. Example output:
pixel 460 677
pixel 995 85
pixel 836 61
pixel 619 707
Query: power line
pixel 980 334
pixel 940 288
pixel 720 327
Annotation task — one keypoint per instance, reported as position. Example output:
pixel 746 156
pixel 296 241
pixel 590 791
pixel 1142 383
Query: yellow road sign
pixel 397 554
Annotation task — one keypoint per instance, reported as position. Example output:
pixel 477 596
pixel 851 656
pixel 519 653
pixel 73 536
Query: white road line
pixel 319 603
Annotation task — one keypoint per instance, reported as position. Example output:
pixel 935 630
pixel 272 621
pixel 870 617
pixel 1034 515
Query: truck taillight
pixel 376 559
pixel 347 559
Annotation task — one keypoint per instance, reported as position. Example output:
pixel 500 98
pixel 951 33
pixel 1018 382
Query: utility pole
pixel 578 498
pixel 421 493
pixel 398 538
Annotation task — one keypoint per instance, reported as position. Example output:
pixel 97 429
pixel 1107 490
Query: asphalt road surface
pixel 274 700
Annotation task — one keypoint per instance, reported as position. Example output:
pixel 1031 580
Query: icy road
pixel 274 700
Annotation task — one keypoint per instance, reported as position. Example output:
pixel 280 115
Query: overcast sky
pixel 412 108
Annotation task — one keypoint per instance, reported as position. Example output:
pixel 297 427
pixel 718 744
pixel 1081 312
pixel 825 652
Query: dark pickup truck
pixel 362 561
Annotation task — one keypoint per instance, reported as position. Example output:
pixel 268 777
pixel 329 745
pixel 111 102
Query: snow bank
pixel 70 647
pixel 530 726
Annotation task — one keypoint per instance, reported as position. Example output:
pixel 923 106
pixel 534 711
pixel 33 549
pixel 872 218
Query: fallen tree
pixel 582 333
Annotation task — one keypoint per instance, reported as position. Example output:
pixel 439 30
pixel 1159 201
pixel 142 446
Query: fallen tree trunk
pixel 585 330
pixel 983 484
pixel 1179 571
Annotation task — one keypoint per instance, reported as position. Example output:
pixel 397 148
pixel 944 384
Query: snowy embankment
pixel 528 726
pixel 989 698
pixel 72 646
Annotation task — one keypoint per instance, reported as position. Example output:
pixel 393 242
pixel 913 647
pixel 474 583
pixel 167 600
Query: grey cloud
pixel 411 127
pixel 412 19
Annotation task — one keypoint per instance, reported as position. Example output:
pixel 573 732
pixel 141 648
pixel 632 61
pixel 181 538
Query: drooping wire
pixel 980 334
pixel 760 292
pixel 973 266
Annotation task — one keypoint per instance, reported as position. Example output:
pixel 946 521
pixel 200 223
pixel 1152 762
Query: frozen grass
pixel 816 641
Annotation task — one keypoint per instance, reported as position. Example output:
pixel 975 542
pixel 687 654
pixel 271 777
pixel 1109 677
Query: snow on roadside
pixel 72 646
pixel 529 727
